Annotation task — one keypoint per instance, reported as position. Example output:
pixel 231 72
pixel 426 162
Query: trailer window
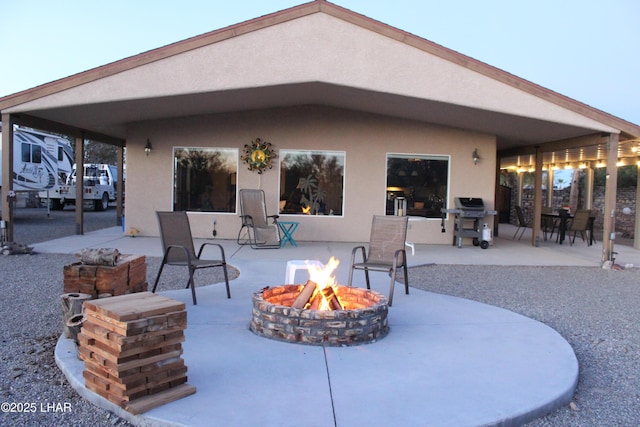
pixel 421 179
pixel 204 179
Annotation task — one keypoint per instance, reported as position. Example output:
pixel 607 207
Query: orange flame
pixel 323 277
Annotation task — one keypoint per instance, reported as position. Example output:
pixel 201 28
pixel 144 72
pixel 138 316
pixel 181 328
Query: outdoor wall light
pixel 148 147
pixel 475 156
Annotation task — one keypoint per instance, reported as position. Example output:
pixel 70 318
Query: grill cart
pixel 469 211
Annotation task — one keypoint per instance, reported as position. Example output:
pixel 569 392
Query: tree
pixel 98 152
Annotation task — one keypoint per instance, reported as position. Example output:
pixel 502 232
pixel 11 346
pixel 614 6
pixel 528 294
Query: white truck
pixel 100 181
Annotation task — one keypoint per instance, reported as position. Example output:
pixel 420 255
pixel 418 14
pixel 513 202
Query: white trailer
pixel 40 161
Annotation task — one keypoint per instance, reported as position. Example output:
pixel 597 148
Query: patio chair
pixel 386 251
pixel 549 222
pixel 580 224
pixel 177 245
pixel 262 230
pixel 522 223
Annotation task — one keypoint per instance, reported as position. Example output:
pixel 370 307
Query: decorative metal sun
pixel 258 155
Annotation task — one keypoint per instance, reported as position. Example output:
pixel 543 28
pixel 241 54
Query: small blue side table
pixel 288 228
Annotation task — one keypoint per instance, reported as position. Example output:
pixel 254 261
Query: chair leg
pixel 226 280
pixel 193 285
pixel 406 279
pixel 366 277
pixel 392 287
pixel 350 276
pixel 155 284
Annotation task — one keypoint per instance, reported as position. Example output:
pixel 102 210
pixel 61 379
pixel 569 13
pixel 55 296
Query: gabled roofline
pixel 628 129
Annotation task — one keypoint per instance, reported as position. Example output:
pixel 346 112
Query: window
pixel 311 182
pixel 31 153
pixel 204 179
pixel 421 179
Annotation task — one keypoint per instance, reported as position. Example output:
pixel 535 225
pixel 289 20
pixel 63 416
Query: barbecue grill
pixel 468 213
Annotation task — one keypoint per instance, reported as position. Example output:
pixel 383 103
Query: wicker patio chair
pixel 386 251
pixel 260 233
pixel 177 245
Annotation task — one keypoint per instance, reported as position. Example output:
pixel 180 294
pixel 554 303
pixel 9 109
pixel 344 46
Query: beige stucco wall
pixel 317 47
pixel 365 139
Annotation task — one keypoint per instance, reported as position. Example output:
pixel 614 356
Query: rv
pixel 40 161
pixel 43 166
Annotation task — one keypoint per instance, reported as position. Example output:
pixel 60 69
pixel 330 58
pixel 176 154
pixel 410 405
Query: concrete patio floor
pixel 446 360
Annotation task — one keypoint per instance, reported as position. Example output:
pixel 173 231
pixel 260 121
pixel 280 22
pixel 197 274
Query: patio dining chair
pixel 549 222
pixel 177 245
pixel 522 223
pixel 386 251
pixel 580 224
pixel 261 230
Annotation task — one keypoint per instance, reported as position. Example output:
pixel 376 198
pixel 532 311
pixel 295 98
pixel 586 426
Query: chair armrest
pixel 170 247
pixel 224 260
pixel 247 220
pixel 355 250
pixel 396 255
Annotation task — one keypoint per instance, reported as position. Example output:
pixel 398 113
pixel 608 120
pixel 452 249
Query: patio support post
pixel 636 232
pixel 610 196
pixel 536 229
pixel 588 190
pixel 550 179
pixel 7 174
pixel 79 154
pixel 120 186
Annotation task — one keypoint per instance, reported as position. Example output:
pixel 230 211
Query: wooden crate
pixel 129 275
pixel 131 346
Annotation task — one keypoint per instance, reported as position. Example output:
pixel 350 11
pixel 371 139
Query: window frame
pixel 232 157
pixel 421 156
pixel 342 160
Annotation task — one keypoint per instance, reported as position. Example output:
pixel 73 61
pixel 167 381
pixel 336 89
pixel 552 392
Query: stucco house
pixel 357 113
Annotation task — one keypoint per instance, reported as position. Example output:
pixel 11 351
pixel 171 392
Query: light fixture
pixel 148 147
pixel 475 156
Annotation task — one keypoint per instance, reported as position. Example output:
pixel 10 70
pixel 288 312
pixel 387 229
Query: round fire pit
pixel 362 320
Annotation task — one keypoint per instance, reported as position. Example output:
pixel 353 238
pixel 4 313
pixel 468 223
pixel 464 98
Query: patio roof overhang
pixel 108 120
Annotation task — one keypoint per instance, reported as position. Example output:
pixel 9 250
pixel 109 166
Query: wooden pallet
pixel 131 346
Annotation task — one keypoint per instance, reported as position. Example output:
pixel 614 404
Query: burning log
pixel 330 295
pixel 304 295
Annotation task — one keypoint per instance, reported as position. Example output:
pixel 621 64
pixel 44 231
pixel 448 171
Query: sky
pixel 587 50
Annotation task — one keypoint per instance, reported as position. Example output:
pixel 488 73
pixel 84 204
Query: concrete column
pixel 610 194
pixel 536 229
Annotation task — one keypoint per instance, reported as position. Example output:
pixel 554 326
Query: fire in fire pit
pixel 320 312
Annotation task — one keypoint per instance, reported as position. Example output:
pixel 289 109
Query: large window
pixel 422 180
pixel 205 179
pixel 311 182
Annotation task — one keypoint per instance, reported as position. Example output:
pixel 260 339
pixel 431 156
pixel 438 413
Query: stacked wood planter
pixel 131 346
pixel 129 275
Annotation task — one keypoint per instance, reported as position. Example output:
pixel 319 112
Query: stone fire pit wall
pixel 364 322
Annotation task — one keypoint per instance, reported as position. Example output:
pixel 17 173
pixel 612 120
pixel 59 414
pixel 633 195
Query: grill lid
pixel 469 203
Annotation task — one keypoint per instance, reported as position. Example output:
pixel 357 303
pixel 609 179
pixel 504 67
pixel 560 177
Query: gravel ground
pixel 595 310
